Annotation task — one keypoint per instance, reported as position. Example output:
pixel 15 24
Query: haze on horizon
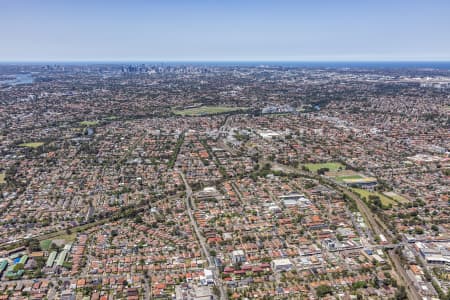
pixel 232 30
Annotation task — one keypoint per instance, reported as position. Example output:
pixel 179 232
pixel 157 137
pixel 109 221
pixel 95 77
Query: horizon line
pixel 229 61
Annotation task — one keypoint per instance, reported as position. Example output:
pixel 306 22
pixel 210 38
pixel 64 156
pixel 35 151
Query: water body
pixel 19 79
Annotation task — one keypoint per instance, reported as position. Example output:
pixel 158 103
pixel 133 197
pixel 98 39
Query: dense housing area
pixel 224 182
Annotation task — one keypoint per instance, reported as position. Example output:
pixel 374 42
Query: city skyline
pixel 202 31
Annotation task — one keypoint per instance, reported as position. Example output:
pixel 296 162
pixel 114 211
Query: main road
pixel 201 239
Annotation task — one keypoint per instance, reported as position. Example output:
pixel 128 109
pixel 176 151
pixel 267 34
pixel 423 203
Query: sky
pixel 224 30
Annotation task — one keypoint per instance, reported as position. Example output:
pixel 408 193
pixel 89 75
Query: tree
pixel 359 285
pixel 323 290
pixel 34 245
pixel 322 171
pixel 375 200
pixel 401 294
pixel 18 267
pixel 54 247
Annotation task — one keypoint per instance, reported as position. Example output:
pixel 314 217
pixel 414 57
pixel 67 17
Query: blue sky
pixel 166 30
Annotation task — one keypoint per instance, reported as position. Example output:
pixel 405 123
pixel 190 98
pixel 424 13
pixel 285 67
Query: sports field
pixel 89 123
pixel 206 110
pixel 32 145
pixel 2 178
pixel 332 166
pixel 45 245
pixel 396 197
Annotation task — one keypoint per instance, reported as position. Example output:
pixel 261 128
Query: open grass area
pixel 89 123
pixel 65 238
pixel 332 166
pixel 32 145
pixel 206 110
pixel 396 197
pixel 2 178
pixel 385 201
pixel 45 245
